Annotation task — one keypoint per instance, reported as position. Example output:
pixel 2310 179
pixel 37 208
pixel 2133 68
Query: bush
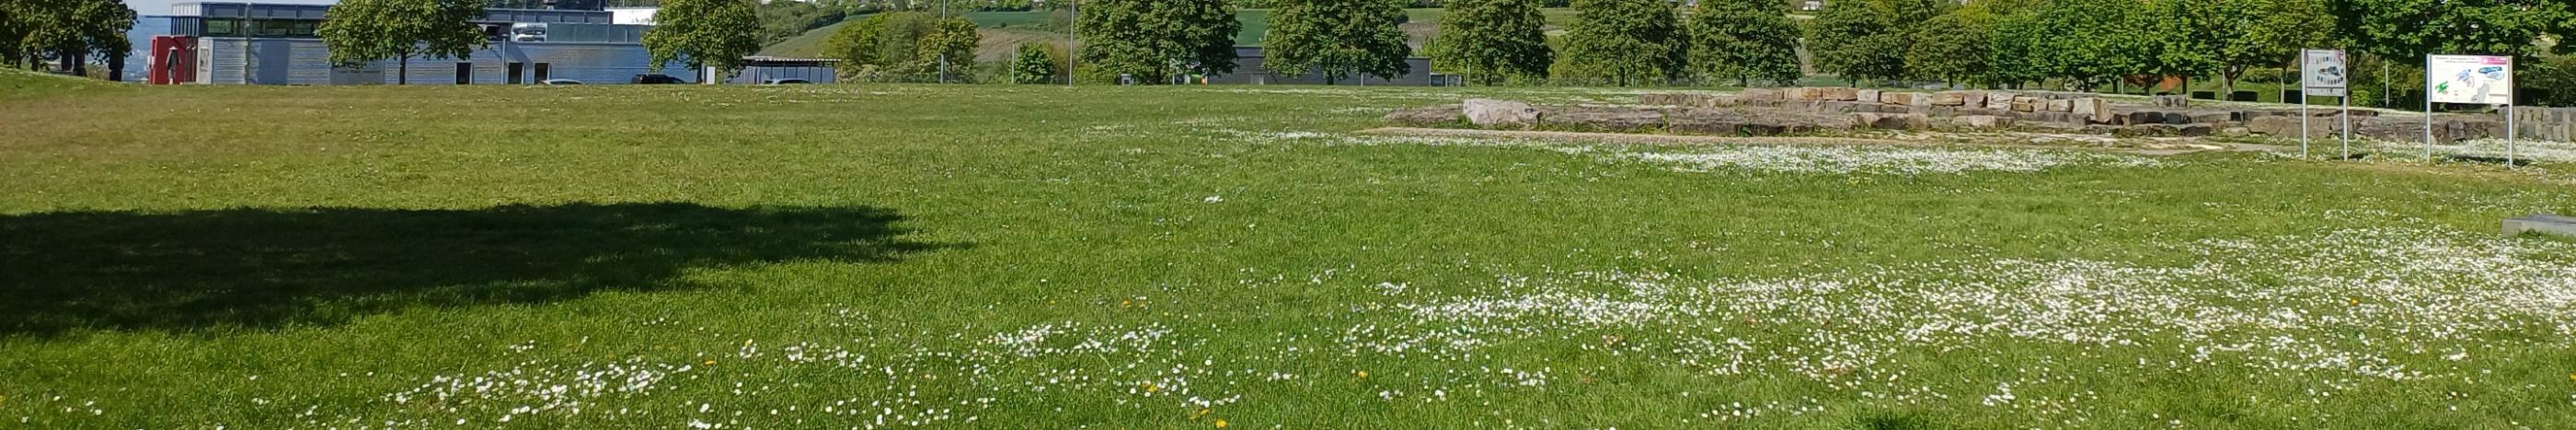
pixel 1038 63
pixel 2552 82
pixel 901 47
pixel 2264 75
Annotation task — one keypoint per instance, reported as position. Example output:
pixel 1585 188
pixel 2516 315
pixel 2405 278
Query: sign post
pixel 2322 73
pixel 2469 79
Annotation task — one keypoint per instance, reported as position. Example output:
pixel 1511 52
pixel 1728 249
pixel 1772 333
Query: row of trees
pixel 70 32
pixel 1620 42
pixel 901 46
pixel 2085 43
pixel 699 33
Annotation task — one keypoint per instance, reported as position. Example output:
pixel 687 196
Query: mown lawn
pixel 1205 257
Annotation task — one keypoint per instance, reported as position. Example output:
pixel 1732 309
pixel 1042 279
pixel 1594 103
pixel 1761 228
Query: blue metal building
pixel 274 44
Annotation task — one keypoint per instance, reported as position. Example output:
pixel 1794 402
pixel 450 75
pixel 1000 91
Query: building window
pixel 513 72
pixel 540 69
pixel 464 73
pixel 223 27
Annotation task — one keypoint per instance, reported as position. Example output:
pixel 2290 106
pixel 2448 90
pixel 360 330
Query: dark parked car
pixel 657 79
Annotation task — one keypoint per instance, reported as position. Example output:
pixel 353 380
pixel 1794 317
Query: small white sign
pixel 2470 79
pixel 2323 72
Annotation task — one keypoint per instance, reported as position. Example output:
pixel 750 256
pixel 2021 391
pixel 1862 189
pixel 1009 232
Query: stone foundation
pixel 2090 113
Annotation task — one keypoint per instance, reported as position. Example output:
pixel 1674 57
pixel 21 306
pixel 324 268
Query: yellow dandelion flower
pixel 711 362
pixel 1220 423
pixel 1201 413
pixel 1363 374
pixel 1149 387
pixel 2352 301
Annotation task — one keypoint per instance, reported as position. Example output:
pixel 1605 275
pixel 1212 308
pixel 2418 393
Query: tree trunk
pixel 78 61
pixel 2228 81
pixel 402 71
pixel 116 68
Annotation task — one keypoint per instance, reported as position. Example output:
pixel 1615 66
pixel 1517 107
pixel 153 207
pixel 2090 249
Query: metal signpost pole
pixel 2508 114
pixel 2428 108
pixel 2304 104
pixel 2346 152
pixel 2344 62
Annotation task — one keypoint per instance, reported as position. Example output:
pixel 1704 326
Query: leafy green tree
pixel 2183 37
pixel 2092 42
pixel 1341 38
pixel 2404 31
pixel 1153 39
pixel 1955 46
pixel 862 44
pixel 70 31
pixel 1037 63
pixel 1745 40
pixel 780 20
pixel 1494 40
pixel 358 32
pixel 952 41
pixel 2016 48
pixel 2411 29
pixel 38 28
pixel 2263 33
pixel 1627 41
pixel 1852 39
pixel 899 46
pixel 103 25
pixel 2555 76
pixel 702 34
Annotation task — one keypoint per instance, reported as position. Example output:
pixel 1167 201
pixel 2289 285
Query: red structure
pixel 174 60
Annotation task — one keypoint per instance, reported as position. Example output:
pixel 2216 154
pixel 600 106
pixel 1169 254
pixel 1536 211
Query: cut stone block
pixel 1798 93
pixel 1982 121
pixel 2541 223
pixel 2093 109
pixel 1755 95
pixel 1490 112
pixel 1427 115
pixel 1892 121
pixel 1843 94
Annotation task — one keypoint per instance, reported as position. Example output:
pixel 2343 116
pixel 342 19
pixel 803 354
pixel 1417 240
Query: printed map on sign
pixel 2473 79
pixel 2324 72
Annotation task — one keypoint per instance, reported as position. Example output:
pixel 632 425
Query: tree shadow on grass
pixel 263 268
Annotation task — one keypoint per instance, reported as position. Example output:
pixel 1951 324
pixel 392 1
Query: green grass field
pixel 1215 257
